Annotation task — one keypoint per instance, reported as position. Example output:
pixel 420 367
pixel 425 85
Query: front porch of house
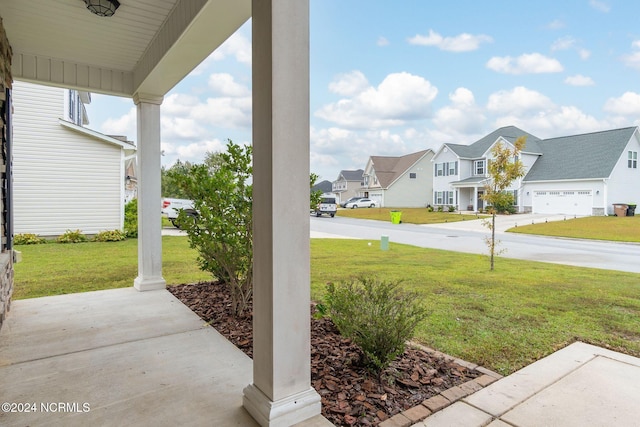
pixel 120 357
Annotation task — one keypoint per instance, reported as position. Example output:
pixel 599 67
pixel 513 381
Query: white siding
pixel 624 183
pixel 62 179
pixel 409 192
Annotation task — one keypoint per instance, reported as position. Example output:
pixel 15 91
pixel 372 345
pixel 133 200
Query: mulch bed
pixel 351 395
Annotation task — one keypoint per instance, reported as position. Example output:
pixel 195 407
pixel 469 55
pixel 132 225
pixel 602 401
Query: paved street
pixel 469 237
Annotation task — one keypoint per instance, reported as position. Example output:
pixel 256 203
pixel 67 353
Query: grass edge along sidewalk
pixel 502 320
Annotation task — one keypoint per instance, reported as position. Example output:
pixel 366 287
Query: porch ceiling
pixel 146 47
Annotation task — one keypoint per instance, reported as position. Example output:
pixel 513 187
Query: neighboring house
pixel 326 188
pixel 573 175
pixel 404 181
pixel 66 176
pixel 347 184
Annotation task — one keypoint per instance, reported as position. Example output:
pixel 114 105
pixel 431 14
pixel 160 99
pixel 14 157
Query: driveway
pixel 503 222
pixel 469 237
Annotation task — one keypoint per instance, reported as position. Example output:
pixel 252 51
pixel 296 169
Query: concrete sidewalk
pixel 503 222
pixel 580 385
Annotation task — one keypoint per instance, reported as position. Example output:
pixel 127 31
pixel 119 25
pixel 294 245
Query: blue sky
pixel 391 78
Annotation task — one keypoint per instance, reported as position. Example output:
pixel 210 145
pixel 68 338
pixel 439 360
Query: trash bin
pixel 620 209
pixel 631 210
pixel 395 217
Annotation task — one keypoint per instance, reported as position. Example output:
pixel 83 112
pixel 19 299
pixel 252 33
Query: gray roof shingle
pixel 586 156
pixel 351 175
pixel 510 133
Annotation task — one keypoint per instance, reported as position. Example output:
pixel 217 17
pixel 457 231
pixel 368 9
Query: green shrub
pixel 71 236
pixel 440 208
pixel 377 316
pixel 109 236
pixel 131 219
pixel 429 208
pixel 452 208
pixel 28 239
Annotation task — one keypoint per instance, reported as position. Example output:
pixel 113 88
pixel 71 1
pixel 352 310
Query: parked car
pixel 361 203
pixel 327 206
pixel 171 208
pixel 353 199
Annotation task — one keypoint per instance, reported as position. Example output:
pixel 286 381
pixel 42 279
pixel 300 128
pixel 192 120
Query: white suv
pixel 327 206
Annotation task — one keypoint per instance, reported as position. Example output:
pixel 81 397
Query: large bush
pixel 378 316
pixel 222 232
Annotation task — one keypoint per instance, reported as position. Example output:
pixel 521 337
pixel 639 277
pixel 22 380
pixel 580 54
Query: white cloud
pixel 626 105
pixel 531 63
pixel 382 41
pixel 461 43
pixel 565 120
pixel 579 80
pixel 399 98
pixel 230 113
pixel 225 85
pixel 123 125
pixel 600 6
pixel 556 25
pixel 633 59
pixel 519 100
pixel 462 116
pixel 237 46
pixel 584 53
pixel 563 43
pixel 349 84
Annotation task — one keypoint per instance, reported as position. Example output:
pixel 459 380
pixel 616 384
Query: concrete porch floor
pixel 120 357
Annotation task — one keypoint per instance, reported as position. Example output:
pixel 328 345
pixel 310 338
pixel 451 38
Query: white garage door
pixel 376 197
pixel 570 202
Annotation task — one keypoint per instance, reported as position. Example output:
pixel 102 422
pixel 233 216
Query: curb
pixel 409 417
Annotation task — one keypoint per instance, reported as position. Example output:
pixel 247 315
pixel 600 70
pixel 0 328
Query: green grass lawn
pixel 409 215
pixel 54 268
pixel 621 229
pixel 503 319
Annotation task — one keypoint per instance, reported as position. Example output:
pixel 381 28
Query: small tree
pixel 316 196
pixel 505 167
pixel 222 233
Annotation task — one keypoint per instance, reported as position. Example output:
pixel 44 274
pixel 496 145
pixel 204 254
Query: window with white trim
pixel 450 197
pixel 437 198
pixel 632 161
pixel 439 169
pixel 453 168
pixel 478 167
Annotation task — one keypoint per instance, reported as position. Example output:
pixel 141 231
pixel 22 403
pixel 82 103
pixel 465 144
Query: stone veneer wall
pixel 6 255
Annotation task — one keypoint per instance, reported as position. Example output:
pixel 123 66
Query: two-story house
pixel 347 184
pixel 404 181
pixel 65 175
pixel 574 175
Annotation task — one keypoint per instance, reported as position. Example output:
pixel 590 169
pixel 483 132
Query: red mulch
pixel 351 395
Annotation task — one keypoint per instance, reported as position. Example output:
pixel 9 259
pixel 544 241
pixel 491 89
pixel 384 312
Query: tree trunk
pixel 493 237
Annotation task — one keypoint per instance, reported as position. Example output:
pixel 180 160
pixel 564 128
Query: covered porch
pixel 120 357
pixel 141 52
pixel 470 192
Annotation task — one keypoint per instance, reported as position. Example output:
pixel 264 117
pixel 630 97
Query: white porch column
pixel 475 199
pixel 281 393
pixel 149 219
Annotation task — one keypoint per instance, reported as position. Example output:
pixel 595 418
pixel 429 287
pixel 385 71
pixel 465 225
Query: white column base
pixel 149 284
pixel 285 412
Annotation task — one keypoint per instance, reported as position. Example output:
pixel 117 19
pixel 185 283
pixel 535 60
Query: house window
pixel 453 168
pixel 478 167
pixel 450 197
pixel 633 160
pixel 412 175
pixel 439 169
pixel 438 198
pixel 515 197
